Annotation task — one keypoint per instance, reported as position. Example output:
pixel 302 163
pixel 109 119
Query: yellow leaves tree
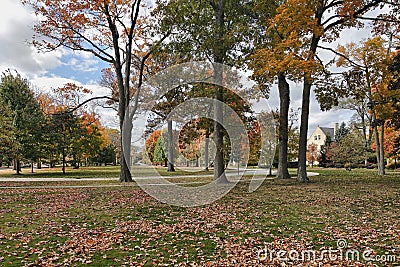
pixel 305 24
pixel 371 59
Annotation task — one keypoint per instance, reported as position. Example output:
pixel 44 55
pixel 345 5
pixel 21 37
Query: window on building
pixel 319 137
pixel 315 138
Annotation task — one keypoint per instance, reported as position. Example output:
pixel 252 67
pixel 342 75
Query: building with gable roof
pixel 320 134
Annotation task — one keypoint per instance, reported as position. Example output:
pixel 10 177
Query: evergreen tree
pixel 159 154
pixel 25 119
pixel 341 132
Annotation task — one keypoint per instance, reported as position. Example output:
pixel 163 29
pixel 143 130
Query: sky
pixel 54 69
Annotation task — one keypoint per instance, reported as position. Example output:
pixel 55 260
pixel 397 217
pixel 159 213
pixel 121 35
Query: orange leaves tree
pixel 303 25
pixel 312 153
pixel 112 31
pixel 151 143
pixel 369 79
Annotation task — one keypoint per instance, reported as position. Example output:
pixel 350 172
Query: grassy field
pixel 91 172
pixel 121 225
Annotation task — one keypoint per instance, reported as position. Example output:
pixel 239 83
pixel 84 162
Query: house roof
pixel 328 131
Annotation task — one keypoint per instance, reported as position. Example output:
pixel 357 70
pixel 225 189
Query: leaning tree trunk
pixel 171 167
pixel 305 110
pixel 284 97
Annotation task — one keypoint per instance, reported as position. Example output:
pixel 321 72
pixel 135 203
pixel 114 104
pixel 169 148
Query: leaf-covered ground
pixel 123 226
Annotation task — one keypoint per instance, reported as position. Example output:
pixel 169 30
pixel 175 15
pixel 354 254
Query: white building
pixel 318 137
pixel 320 134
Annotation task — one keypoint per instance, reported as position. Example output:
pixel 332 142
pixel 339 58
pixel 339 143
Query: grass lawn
pixel 92 172
pixel 116 226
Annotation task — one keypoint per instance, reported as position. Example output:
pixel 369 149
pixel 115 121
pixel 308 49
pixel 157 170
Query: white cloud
pixel 15 34
pixel 48 83
pixel 84 64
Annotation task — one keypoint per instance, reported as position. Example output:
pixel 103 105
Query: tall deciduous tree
pixel 109 30
pixel 214 31
pixel 305 24
pixel 65 130
pixel 269 64
pixel 369 79
pixel 162 108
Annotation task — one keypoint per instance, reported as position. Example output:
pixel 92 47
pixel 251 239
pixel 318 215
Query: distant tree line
pixel 37 129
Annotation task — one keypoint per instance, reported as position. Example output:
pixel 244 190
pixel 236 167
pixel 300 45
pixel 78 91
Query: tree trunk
pixel 219 166
pixel 364 133
pixel 207 144
pixel 382 150
pixel 32 167
pixel 39 164
pixel 305 109
pixel 171 167
pixel 18 166
pixel 126 136
pixel 284 97
pixel 378 149
pixel 63 161
pixel 379 146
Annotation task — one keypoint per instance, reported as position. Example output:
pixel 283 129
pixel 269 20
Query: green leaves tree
pixel 341 132
pixel 23 120
pixel 213 31
pixel 159 154
pixel 349 150
pixel 6 134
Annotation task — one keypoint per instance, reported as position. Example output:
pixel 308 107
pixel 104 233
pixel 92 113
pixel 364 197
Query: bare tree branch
pixel 342 55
